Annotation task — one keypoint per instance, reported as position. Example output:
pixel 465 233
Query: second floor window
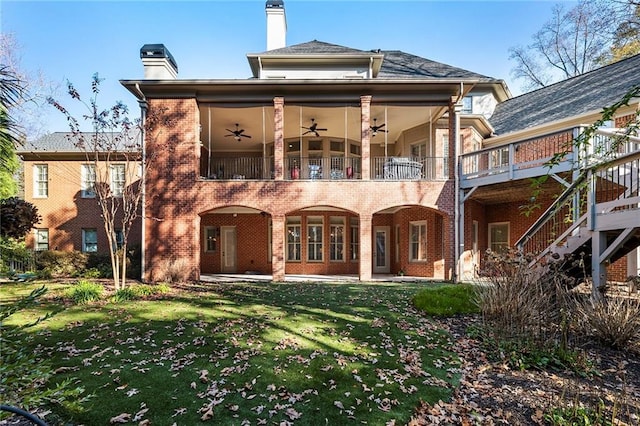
pixel 117 179
pixel 88 183
pixel 40 181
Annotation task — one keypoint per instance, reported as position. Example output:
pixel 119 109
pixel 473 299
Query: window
pixel 445 155
pixel 418 241
pixel 210 238
pixel 294 239
pixel 314 239
pixel 499 158
pixel 88 181
pixel 89 240
pixel 40 181
pixel 467 105
pixel 355 238
pixel 499 237
pixel 119 238
pixel 419 150
pixel 42 239
pixel 117 179
pixel 336 239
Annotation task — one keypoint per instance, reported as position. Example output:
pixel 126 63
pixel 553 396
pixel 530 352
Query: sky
pixel 72 40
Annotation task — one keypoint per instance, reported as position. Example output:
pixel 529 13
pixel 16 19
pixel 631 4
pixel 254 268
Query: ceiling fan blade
pixel 246 136
pixel 317 134
pixel 321 130
pixel 382 125
pixel 308 131
pixel 230 131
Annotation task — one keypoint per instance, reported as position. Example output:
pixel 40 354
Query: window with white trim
pixel 418 241
pixel 499 237
pixel 89 240
pixel 336 239
pixel 314 238
pixel 88 181
pixel 40 180
pixel 118 179
pixel 41 239
pixel 294 239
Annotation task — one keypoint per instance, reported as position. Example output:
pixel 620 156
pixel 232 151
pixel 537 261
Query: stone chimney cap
pixel 158 51
pixel 275 4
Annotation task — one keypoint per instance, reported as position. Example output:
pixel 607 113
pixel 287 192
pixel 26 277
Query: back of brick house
pixel 333 160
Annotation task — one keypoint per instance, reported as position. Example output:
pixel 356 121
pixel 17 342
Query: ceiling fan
pixel 313 128
pixel 237 133
pixel 375 128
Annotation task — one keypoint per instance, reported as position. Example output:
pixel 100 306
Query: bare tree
pixel 113 147
pixel 28 108
pixel 569 44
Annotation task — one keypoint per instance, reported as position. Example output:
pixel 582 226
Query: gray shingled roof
pixel 396 64
pixel 585 93
pixel 53 142
pixel 61 142
pixel 315 47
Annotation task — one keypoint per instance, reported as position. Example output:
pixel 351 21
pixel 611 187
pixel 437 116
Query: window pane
pixel 293 242
pixel 355 238
pixel 418 241
pixel 89 240
pixel 117 179
pixel 314 244
pixel 41 180
pixel 42 239
pixel 88 183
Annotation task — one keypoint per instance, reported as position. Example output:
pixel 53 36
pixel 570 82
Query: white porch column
pixel 365 137
pixel 278 144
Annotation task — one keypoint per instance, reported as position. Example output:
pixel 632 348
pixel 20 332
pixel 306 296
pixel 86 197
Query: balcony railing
pixel 410 168
pixel 322 168
pixel 328 168
pixel 530 158
pixel 256 168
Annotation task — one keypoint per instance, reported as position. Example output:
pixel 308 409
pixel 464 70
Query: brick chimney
pixel 158 62
pixel 276 25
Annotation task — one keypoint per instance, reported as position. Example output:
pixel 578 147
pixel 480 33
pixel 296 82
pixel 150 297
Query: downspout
pixel 142 101
pixel 457 208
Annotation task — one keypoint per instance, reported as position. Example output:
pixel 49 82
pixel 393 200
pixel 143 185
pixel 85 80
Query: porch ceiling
pixel 514 191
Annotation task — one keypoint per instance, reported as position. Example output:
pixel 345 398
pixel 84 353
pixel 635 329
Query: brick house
pixel 332 160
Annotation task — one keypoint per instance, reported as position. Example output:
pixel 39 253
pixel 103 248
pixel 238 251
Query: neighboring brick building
pixel 333 160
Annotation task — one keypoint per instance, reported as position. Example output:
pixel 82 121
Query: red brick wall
pixel 64 212
pixel 176 197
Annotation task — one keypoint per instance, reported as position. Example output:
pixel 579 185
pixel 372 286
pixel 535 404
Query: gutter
pixel 142 101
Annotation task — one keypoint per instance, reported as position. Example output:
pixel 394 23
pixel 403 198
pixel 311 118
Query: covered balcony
pixel 323 143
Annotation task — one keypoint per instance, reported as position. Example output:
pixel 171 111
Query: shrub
pixel 86 291
pixel 56 264
pixel 139 291
pixel 26 379
pixel 614 321
pixel 519 301
pixel 173 271
pixel 446 300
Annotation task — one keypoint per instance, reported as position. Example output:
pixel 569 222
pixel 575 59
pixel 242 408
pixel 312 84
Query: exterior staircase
pixel 596 220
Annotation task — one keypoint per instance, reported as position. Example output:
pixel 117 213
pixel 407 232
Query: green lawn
pixel 248 353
